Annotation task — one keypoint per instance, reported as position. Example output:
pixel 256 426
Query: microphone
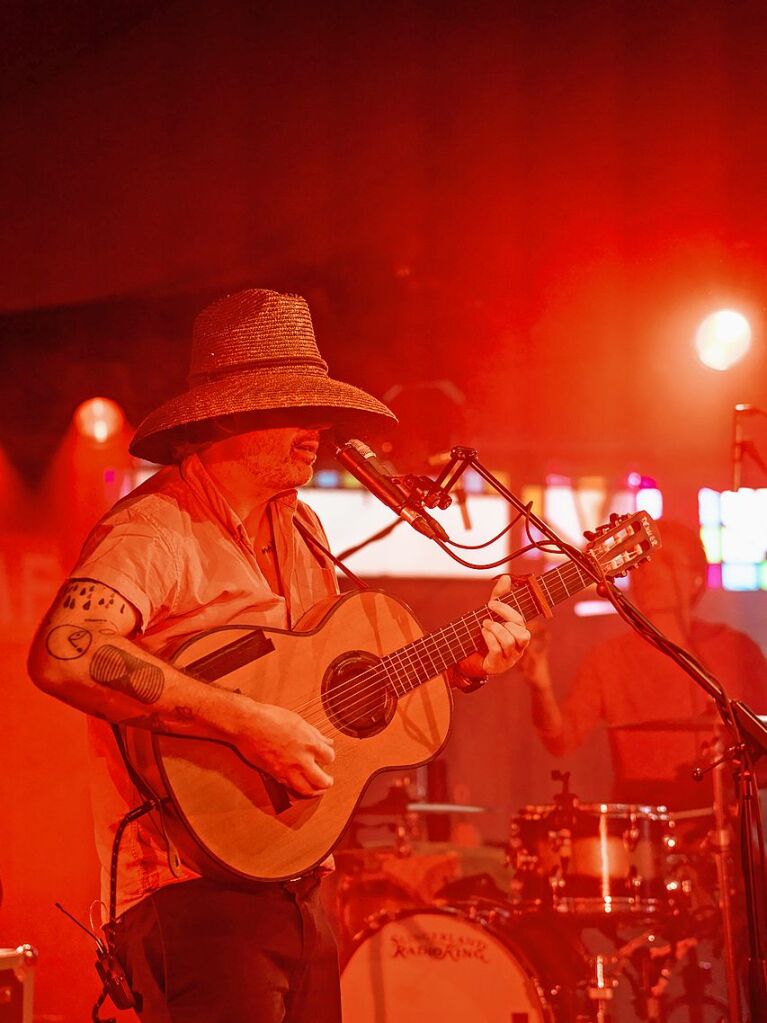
pixel 364 466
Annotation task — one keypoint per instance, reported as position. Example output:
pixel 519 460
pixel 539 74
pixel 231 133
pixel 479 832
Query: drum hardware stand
pixel 750 735
pixel 720 842
pixel 653 969
pixel 601 986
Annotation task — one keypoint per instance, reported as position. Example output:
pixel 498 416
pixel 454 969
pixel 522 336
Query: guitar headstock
pixel 623 543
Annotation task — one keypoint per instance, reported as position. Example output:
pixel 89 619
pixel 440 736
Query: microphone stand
pixel 747 730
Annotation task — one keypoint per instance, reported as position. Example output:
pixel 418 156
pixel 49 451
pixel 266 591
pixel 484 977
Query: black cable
pixel 492 564
pixel 380 535
pixel 488 543
pixel 545 546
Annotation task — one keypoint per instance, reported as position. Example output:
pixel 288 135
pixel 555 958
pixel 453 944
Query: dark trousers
pixel 204 952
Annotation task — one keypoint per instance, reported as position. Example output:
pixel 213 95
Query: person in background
pixel 625 681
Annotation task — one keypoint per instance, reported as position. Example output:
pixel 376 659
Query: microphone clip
pixel 424 491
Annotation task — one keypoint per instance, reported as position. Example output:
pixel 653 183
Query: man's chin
pixel 304 476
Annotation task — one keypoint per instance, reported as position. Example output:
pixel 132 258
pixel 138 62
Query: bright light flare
pixel 722 339
pixel 99 419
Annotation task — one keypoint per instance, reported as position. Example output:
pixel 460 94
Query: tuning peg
pixel 589 534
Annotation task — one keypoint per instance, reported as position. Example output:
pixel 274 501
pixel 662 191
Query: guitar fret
pixel 430 655
pixel 421 664
pixel 552 585
pixel 408 667
pixel 464 652
pixel 394 679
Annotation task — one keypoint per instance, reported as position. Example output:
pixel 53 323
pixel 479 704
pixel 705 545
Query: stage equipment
pixel 99 419
pixel 591 859
pixel 17 981
pixel 471 961
pixel 722 339
pixel 747 742
pixel 358 459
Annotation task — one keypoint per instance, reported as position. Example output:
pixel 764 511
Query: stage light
pixel 99 419
pixel 722 339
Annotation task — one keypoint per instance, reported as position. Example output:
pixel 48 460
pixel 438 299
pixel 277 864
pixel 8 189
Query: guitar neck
pixel 427 657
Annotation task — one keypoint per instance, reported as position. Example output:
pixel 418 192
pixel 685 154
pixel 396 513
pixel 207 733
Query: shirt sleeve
pixel 135 557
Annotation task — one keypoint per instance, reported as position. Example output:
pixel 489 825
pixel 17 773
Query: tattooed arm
pixel 83 655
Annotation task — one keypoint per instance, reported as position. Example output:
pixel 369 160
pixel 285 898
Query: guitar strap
pixel 313 542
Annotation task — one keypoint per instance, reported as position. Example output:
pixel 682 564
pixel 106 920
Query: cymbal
pixel 705 723
pixel 691 815
pixel 396 803
pixel 446 808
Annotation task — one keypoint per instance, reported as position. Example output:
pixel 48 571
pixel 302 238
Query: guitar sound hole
pixel 355 694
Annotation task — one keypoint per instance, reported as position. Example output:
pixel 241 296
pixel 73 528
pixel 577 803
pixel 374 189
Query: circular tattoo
pixel 67 642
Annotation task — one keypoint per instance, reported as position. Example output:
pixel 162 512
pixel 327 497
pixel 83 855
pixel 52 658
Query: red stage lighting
pixel 722 339
pixel 99 419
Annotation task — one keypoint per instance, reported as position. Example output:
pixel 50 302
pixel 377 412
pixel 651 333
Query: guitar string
pixel 401 675
pixel 404 661
pixel 379 672
pixel 426 658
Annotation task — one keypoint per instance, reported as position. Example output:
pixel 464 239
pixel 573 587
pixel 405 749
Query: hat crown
pixel 254 351
pixel 250 329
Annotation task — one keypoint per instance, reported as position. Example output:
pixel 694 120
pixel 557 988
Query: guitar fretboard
pixel 430 655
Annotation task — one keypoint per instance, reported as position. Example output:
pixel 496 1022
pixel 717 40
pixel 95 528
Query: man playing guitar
pixel 217 538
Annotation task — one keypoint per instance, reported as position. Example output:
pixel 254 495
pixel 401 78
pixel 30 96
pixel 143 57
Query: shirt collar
pixel 205 488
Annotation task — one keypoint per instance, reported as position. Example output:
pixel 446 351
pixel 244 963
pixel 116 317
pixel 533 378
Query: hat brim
pixel 257 390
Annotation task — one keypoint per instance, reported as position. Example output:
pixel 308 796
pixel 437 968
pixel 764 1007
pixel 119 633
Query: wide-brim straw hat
pixel 255 351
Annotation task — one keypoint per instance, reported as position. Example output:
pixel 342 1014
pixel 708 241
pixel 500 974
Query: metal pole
pixel 722 843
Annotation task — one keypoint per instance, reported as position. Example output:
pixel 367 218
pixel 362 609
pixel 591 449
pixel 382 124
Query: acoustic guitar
pixel 359 668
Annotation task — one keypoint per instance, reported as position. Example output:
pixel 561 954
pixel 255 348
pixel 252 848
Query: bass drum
pixel 474 961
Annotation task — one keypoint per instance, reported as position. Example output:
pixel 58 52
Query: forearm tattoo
pixel 155 721
pixel 117 669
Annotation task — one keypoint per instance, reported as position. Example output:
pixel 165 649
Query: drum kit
pixel 590 913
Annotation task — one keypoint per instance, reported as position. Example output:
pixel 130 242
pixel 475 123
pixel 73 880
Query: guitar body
pixel 227 817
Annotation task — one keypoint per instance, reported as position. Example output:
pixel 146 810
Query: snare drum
pixel 596 859
pixel 452 964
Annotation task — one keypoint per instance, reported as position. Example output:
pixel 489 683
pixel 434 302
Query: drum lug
pixel 631 837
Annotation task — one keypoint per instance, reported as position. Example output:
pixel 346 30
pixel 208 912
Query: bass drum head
pixel 444 965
